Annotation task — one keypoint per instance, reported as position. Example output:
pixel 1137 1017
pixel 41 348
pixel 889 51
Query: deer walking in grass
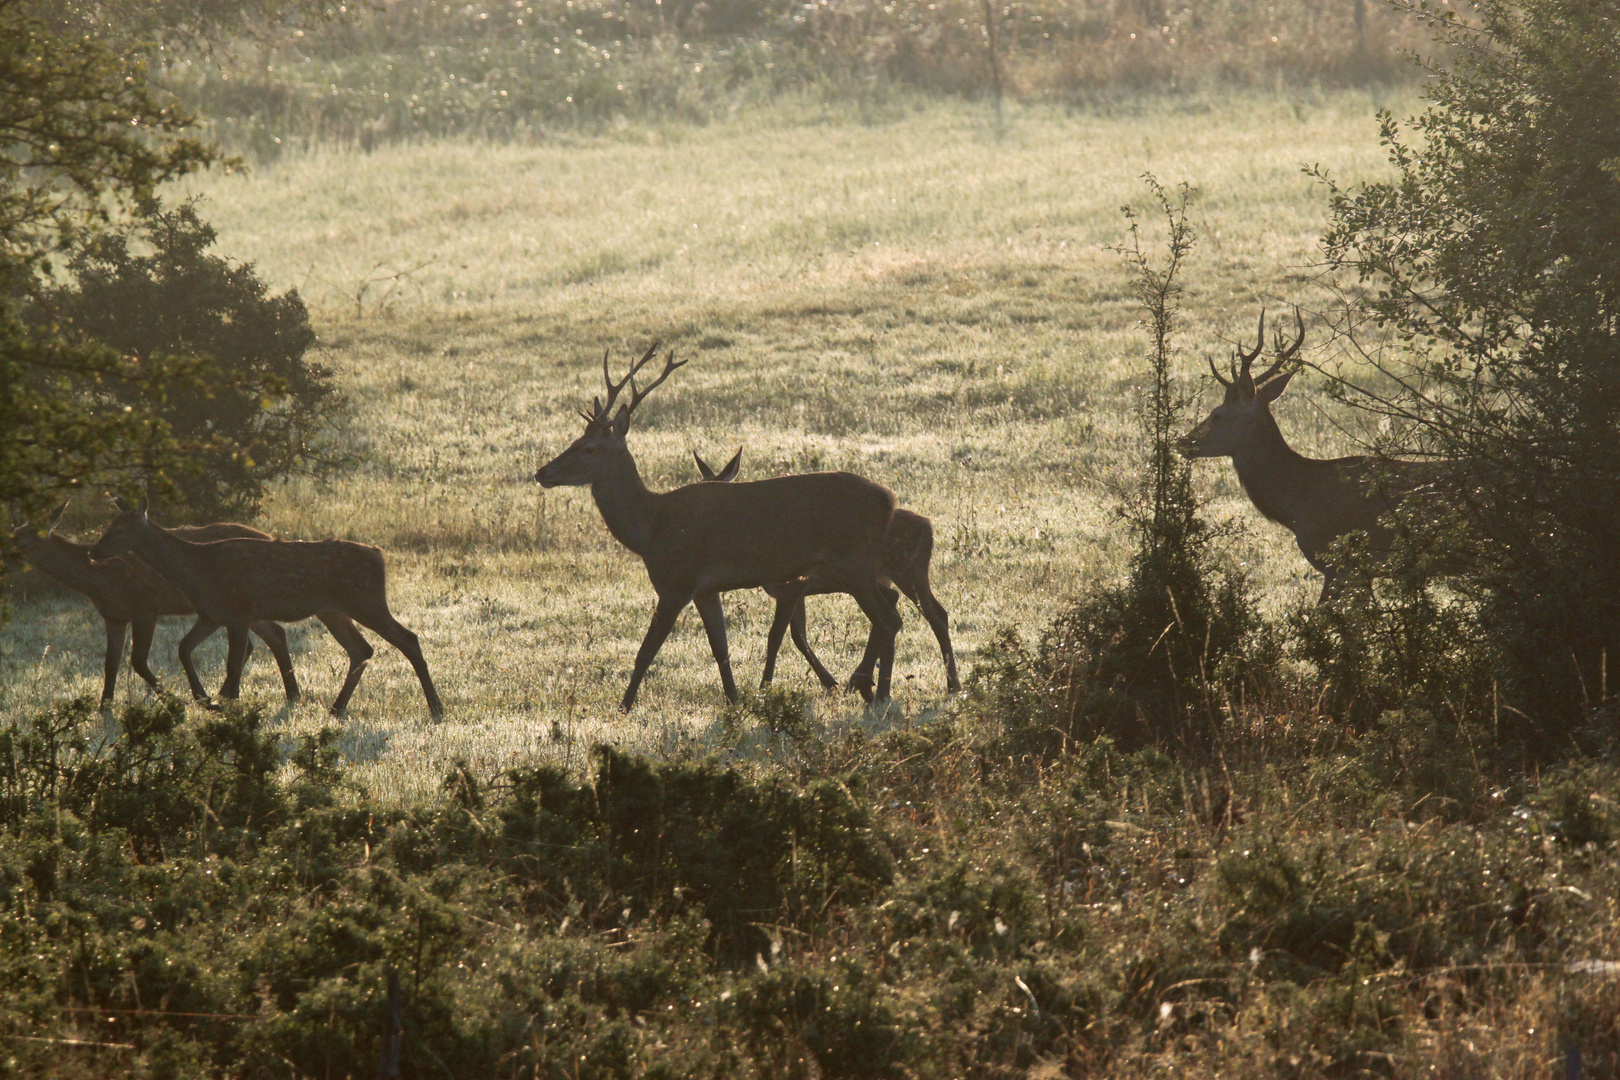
pixel 129 594
pixel 236 583
pixel 908 548
pixel 1318 499
pixel 701 540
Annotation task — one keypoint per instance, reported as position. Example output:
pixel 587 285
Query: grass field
pixel 924 299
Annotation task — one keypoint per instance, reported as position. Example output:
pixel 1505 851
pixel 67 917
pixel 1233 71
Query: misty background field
pixel 933 301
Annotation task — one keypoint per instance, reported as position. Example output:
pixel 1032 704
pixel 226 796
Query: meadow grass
pixel 927 299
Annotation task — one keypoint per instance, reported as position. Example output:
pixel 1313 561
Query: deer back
pixel 251 578
pixel 761 532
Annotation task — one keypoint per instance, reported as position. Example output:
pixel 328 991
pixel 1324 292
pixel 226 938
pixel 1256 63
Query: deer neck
pixel 170 556
pixel 625 504
pixel 63 560
pixel 1274 476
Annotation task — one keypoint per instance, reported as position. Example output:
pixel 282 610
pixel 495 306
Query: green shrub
pixel 1490 257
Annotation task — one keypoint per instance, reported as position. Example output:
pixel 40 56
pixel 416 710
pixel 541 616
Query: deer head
pixel 124 531
pixel 1246 410
pixel 27 529
pixel 725 475
pixel 30 541
pixel 601 450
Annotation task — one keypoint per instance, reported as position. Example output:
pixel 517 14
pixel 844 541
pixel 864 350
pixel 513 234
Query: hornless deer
pixel 908 547
pixel 126 592
pixel 701 540
pixel 1320 500
pixel 234 583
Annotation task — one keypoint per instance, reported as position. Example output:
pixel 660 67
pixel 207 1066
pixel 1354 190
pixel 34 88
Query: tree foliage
pixel 82 132
pixel 152 288
pixel 1494 257
pixel 81 129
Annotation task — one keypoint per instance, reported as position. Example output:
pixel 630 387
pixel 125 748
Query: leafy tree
pixel 81 130
pixel 1494 257
pixel 150 289
pixel 81 133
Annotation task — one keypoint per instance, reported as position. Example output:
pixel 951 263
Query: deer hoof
pixel 862 685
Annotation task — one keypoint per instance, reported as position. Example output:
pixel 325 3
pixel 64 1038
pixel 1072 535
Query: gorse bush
pixel 198 898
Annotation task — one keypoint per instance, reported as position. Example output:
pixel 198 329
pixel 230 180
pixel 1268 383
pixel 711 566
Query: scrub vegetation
pixel 1179 821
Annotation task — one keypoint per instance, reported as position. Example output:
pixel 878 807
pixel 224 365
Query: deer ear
pixel 621 423
pixel 1273 389
pixel 120 503
pixel 703 467
pixel 141 506
pixel 56 516
pixel 733 467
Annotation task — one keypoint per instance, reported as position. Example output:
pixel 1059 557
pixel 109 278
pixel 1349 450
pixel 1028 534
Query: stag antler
pixel 1284 355
pixel 1239 373
pixel 601 410
pixel 637 394
pixel 1241 359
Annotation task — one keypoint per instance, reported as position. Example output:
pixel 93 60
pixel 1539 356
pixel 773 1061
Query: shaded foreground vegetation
pixel 921 903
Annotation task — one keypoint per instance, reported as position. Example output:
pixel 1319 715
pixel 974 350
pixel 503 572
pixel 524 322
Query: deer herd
pixel 792 536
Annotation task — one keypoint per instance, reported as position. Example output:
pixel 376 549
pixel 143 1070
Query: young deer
pixel 1318 499
pixel 126 592
pixel 701 540
pixel 235 583
pixel 908 547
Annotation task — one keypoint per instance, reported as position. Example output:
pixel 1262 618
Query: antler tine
pixel 1284 355
pixel 1248 357
pixel 600 409
pixel 1215 371
pixel 669 367
pixel 603 408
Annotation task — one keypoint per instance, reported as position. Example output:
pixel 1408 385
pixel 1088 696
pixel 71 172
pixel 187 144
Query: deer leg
pixel 940 621
pixel 140 648
pixel 200 631
pixel 714 624
pixel 235 656
pixel 1329 585
pixel 116 629
pixel 360 653
pixel 880 609
pixel 663 621
pixel 272 634
pixel 801 641
pixel 860 680
pixel 789 614
pixel 394 632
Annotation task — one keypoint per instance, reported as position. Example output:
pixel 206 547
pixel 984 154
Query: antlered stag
pixel 1320 500
pixel 234 583
pixel 701 540
pixel 908 548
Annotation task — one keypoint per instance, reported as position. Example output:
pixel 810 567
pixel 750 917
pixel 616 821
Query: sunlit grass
pixel 925 301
